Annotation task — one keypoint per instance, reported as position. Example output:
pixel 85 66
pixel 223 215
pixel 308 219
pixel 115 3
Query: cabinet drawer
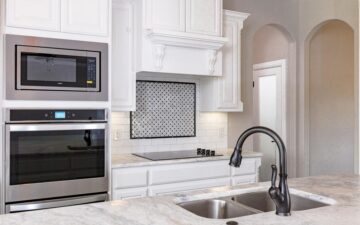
pixel 167 189
pixel 243 180
pixel 129 193
pixel 188 172
pixel 129 178
pixel 248 166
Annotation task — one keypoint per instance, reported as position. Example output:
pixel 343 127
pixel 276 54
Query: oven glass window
pixel 50 71
pixel 45 156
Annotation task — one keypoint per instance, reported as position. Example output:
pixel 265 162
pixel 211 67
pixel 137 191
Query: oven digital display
pixel 59 115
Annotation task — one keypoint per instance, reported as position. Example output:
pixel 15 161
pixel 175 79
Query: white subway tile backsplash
pixel 211 132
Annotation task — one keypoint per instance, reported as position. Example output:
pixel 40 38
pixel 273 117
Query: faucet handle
pixel 273 176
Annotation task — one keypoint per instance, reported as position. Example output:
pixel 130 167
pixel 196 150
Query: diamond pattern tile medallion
pixel 164 110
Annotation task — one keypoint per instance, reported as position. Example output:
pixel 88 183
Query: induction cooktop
pixel 185 154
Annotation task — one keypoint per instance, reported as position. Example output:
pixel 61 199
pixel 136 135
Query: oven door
pixel 39 68
pixel 55 160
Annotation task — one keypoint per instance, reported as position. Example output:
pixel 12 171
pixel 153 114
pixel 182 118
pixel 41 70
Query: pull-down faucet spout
pixel 280 195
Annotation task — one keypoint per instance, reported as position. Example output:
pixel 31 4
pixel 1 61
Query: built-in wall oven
pixel 63 69
pixel 55 158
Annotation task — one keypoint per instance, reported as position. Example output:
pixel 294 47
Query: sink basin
pixel 217 209
pixel 244 205
pixel 262 201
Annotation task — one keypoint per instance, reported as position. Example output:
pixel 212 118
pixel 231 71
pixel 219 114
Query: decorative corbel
pixel 159 54
pixel 212 56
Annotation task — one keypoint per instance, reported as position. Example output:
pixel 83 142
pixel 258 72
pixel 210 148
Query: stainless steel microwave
pixel 55 69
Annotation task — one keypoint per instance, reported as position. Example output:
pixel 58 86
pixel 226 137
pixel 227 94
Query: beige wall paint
pixel 312 15
pixel 299 18
pixel 263 12
pixel 269 44
pixel 331 92
pixel 283 14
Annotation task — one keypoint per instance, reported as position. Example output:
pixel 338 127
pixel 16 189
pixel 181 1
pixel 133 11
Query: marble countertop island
pixel 342 192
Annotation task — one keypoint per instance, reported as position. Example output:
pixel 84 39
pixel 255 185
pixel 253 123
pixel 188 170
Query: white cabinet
pixel 204 17
pixel 156 180
pixel 173 188
pixel 180 37
pixel 123 56
pixel 34 14
pixel 165 14
pixel 224 93
pixel 85 17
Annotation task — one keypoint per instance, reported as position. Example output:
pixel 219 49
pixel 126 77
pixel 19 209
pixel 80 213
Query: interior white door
pixel 269 110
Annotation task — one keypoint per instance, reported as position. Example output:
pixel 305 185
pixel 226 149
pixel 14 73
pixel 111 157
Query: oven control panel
pixel 18 115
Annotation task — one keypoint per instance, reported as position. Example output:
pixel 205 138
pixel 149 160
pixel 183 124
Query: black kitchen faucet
pixel 280 195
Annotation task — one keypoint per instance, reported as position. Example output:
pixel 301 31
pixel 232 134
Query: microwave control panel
pixel 18 115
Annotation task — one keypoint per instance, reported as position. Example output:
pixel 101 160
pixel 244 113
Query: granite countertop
pixel 341 191
pixel 129 160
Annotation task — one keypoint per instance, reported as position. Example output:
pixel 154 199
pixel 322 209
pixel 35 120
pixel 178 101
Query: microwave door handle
pixel 56 127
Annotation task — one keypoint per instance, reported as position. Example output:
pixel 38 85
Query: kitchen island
pixel 342 192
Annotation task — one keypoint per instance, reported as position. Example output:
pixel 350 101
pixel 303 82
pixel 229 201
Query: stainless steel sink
pixel 244 205
pixel 218 209
pixel 262 201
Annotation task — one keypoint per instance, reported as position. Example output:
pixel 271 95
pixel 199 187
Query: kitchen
pixel 128 112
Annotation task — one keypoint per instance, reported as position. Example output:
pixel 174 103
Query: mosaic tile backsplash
pixel 164 110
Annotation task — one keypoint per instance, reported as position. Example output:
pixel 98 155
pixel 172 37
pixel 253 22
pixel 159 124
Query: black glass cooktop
pixel 157 156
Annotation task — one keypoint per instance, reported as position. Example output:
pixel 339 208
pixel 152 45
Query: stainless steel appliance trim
pixel 11 41
pixel 52 127
pixel 25 192
pixel 36 205
pixel 46 50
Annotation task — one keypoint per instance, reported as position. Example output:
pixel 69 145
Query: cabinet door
pixel 123 49
pixel 204 17
pixel 165 14
pixel 34 14
pixel 229 84
pixel 85 17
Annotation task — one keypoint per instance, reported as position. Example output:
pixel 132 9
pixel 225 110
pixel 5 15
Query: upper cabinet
pixel 180 37
pixel 84 17
pixel 204 17
pixel 223 94
pixel 165 14
pixel 34 14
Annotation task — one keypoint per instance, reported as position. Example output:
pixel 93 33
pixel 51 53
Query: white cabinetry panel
pixel 243 180
pixel 187 186
pixel 123 55
pixel 128 178
pixel 204 16
pixel 165 14
pixel 85 16
pixel 36 14
pixel 188 172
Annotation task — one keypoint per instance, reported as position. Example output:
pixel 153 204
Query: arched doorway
pixel 273 72
pixel 331 98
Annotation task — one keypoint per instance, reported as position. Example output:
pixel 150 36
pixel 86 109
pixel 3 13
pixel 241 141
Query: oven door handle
pixel 29 206
pixel 55 127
